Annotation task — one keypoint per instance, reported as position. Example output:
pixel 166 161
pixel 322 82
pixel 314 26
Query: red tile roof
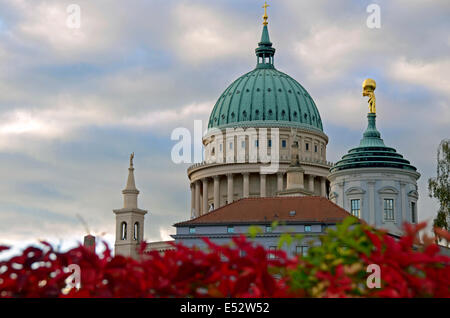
pixel 267 210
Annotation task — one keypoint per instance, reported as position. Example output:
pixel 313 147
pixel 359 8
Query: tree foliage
pixel 439 187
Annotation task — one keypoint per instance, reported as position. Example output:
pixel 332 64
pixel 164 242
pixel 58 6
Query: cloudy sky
pixel 74 103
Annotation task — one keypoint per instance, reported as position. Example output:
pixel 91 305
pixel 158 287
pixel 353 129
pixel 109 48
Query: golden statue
pixel 369 86
pixel 265 16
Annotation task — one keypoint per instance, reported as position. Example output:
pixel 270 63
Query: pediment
pixel 388 190
pixel 355 190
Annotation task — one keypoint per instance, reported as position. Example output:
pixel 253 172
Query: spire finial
pixel 265 51
pixel 131 159
pixel 265 16
pixel 131 185
pixel 369 86
pixel 371 136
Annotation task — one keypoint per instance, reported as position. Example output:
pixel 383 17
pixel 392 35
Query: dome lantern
pixel 265 52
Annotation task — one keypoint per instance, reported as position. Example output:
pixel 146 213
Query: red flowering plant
pixel 239 270
pixel 340 266
pixel 337 268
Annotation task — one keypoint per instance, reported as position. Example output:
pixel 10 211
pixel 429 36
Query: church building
pixel 265 161
pixel 264 109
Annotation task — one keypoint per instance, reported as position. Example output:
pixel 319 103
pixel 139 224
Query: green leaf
pixel 274 225
pixel 299 237
pixel 254 230
pixel 285 238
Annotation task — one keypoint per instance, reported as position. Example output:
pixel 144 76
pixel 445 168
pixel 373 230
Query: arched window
pixel 123 231
pixel 136 231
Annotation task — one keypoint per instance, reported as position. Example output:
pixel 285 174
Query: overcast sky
pixel 74 103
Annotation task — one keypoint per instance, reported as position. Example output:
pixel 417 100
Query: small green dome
pixel 265 97
pixel 372 153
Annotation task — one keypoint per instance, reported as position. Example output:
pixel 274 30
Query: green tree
pixel 439 187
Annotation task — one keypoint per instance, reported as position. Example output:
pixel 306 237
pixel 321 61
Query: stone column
pixel 230 187
pixel 279 181
pixel 323 187
pixel 192 200
pixel 262 185
pixel 404 204
pixel 205 196
pixel 246 185
pixel 197 198
pixel 341 198
pixel 311 183
pixel 216 192
pixel 371 187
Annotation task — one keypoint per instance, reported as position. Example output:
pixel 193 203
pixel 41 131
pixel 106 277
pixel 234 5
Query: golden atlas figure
pixel 369 86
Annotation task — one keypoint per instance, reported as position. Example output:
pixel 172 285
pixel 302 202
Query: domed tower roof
pixel 372 152
pixel 265 97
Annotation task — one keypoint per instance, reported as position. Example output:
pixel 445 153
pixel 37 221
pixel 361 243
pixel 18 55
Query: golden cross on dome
pixel 265 17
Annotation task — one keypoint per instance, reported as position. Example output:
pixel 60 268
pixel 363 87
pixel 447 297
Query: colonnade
pixel 199 199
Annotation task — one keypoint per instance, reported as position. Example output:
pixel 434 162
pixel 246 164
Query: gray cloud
pixel 75 103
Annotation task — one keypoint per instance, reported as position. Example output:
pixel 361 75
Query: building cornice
pixel 301 128
pixel 229 236
pixel 360 171
pixel 130 210
pixel 246 167
pixel 250 223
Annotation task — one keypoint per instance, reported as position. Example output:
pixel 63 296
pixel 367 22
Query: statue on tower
pixel 294 136
pixel 295 157
pixel 369 86
pixel 131 159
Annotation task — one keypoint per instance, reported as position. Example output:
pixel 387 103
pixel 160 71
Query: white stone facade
pixel 232 166
pixel 376 189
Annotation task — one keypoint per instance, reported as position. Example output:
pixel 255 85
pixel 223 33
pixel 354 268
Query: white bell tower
pixel 129 219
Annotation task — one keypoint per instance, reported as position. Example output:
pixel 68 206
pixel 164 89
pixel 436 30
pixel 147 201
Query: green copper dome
pixel 372 153
pixel 265 97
